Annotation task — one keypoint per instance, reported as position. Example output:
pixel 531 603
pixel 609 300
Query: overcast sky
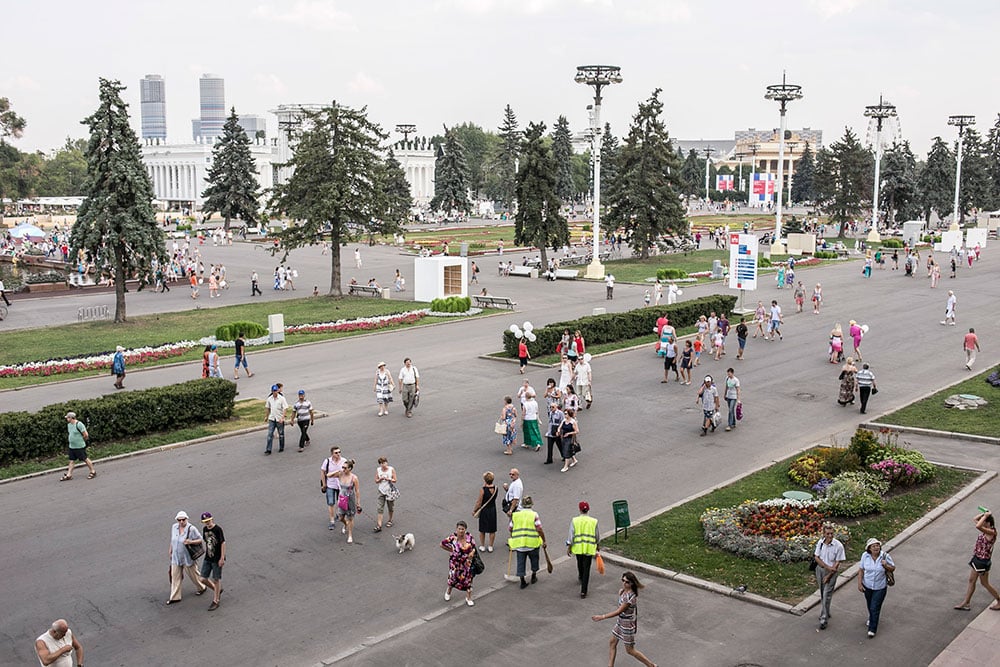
pixel 430 62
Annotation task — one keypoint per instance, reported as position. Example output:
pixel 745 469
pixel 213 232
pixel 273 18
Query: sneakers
pixel 332 525
pixel 870 634
pixel 482 548
pixel 469 602
pixel 447 596
pixel 490 549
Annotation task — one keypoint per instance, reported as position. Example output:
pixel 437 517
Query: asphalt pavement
pixel 95 551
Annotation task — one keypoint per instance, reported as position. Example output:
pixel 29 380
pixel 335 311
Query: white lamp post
pixel 753 148
pixel 961 122
pixel 879 112
pixel 708 156
pixel 597 76
pixel 782 93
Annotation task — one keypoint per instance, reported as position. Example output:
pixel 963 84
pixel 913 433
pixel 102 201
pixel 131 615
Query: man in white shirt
pixel 55 645
pixel 609 284
pixel 584 380
pixel 276 407
pixel 514 490
pixel 409 385
pixel 829 555
pixel 3 293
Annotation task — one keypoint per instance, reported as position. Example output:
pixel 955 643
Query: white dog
pixel 405 542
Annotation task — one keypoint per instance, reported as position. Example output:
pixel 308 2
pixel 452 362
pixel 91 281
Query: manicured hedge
pixel 892 243
pixel 621 326
pixel 128 414
pixel 451 304
pixel 232 330
pixel 671 274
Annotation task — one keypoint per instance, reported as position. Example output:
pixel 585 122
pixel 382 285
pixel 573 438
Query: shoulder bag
pixel 195 551
pixel 478 567
pixel 500 428
pixel 393 494
pixel 475 515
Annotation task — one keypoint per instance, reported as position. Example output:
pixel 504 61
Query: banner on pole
pixel 763 187
pixel 742 261
pixel 725 182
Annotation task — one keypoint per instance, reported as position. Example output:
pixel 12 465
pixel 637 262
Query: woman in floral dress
pixel 383 389
pixel 848 382
pixel 627 613
pixel 461 546
pixel 508 415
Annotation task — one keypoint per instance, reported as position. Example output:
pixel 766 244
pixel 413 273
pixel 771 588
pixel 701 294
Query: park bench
pixel 526 271
pixel 567 274
pixel 494 301
pixel 842 252
pixel 364 290
pixel 90 313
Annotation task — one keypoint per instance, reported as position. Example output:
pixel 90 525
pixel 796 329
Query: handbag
pixel 716 418
pixel 874 390
pixel 890 577
pixel 813 564
pixel 574 447
pixel 344 502
pixel 393 494
pixel 739 411
pixel 600 563
pixel 195 551
pixel 500 428
pixel 478 566
pixel 505 505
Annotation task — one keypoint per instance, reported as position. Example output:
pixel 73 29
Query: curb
pixel 953 435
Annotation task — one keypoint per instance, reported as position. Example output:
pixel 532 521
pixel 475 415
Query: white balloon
pixel 864 328
pixel 518 332
pixel 528 326
pixel 587 357
pixel 680 292
pixel 513 329
pixel 531 337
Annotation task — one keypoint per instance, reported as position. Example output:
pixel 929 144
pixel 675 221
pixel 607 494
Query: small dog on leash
pixel 404 542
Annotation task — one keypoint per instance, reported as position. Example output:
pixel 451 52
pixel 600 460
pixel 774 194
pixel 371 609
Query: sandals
pixel 388 524
pixel 92 475
pixel 377 529
pixel 65 478
pixel 961 607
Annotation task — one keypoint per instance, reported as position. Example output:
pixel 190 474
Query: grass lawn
pixel 75 340
pixel 637 270
pixel 246 414
pixel 931 412
pixel 674 539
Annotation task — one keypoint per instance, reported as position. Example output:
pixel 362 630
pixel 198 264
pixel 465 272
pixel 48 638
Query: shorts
pixel 332 496
pixel 709 414
pixel 523 360
pixel 382 500
pixel 241 360
pixel 78 454
pixel 742 342
pixel 210 570
pixel 669 363
pixel 980 565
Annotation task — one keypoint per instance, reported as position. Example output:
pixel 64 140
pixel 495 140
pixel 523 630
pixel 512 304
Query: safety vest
pixel 584 535
pixel 524 534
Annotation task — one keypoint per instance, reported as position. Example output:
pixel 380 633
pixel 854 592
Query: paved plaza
pixel 95 552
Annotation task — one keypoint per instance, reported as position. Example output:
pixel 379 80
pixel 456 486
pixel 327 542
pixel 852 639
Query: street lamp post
pixel 792 145
pixel 753 148
pixel 406 129
pixel 961 122
pixel 739 156
pixel 782 93
pixel 708 156
pixel 879 112
pixel 597 76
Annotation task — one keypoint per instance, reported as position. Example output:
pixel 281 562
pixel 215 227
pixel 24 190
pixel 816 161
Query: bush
pixel 850 498
pixel 128 414
pixel 47 277
pixel 863 444
pixel 898 474
pixel 892 243
pixel 825 254
pixel 232 330
pixel 927 238
pixel 452 304
pixel 670 274
pixel 615 327
pixel 869 480
pixel 822 463
pixel 763 262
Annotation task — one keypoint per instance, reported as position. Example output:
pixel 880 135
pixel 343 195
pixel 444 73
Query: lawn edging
pixel 953 435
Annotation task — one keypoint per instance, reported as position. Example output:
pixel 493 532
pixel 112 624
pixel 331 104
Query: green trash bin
pixel 620 510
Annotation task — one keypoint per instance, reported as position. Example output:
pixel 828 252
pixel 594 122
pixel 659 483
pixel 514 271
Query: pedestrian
pixel 949 309
pixel 686 362
pixel 848 382
pixel 181 536
pixel 856 333
pixel 584 380
pixel 215 557
pixel 214 369
pixel 383 388
pixel 357 257
pixel 513 491
pixel 193 281
pixel 657 292
pixel 708 396
pixel 759 318
pixel 304 418
pixel 205 361
pixel 697 346
pixel 213 285
pixel 486 511
pixel 3 293
pixel 526 536
pixel 409 385
pixel 461 548
pixel 971 345
pixel 741 336
pixel 523 391
pixel 829 554
pixel 553 436
pixel 473 273
pixel 866 385
pixel 583 543
pixel 672 293
pixel 981 560
pixel 565 373
pixel 954 266
pixel 713 326
pixel 895 259
pixel 385 482
pixel 348 504
pixel 876 567
pixel 719 343
pixel 329 482
pixel 571 401
pixel 255 285
pixel 609 285
pixel 577 347
pixel 508 417
pixel 646 298
pixel 836 347
pixel 241 357
pixel 118 367
pixel 78 438
pixel 627 613
pixel 734 397
pixel 935 275
pixel 669 361
pixel 776 321
pixel 532 436
pixel 800 296
pixel 53 647
pixel 817 296
pixel 569 428
pixel 275 406
pixel 522 354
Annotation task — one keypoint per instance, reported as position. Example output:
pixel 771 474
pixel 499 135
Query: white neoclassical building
pixel 416 156
pixel 178 171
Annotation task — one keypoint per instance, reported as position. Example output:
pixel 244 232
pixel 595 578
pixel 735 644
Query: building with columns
pixel 766 145
pixel 417 158
pixel 179 171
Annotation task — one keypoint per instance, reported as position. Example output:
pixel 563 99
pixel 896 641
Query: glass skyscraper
pixel 213 107
pixel 153 107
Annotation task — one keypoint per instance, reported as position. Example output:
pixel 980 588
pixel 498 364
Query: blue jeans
pixel 874 597
pixel 522 557
pixel 271 425
pixel 731 402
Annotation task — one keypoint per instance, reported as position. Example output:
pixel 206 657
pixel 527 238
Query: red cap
pixel 584 506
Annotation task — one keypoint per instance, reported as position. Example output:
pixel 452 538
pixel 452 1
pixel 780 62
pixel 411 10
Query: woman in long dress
pixel 508 415
pixel 628 620
pixel 461 548
pixel 848 382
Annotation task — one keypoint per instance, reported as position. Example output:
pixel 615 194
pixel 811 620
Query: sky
pixel 435 62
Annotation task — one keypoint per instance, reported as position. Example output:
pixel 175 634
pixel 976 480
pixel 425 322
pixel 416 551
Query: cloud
pixel 270 83
pixel 316 14
pixel 830 8
pixel 656 11
pixel 365 85
pixel 20 82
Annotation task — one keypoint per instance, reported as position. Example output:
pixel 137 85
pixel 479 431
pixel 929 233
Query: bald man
pixel 56 644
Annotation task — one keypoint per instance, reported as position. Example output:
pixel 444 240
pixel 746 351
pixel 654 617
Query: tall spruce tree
pixel 844 180
pixel 976 191
pixel 936 182
pixel 504 163
pixel 337 183
pixel 397 200
pixel 645 195
pixel 610 152
pixel 897 198
pixel 992 153
pixel 538 221
pixel 451 192
pixel 232 189
pixel 562 153
pixel 116 223
pixel 803 185
pixel 692 174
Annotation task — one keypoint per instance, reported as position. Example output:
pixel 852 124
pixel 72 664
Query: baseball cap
pixel 206 517
pixel 274 387
pixel 584 506
pixel 302 392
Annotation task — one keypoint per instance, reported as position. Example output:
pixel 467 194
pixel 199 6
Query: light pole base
pixel 873 236
pixel 595 270
pixel 953 227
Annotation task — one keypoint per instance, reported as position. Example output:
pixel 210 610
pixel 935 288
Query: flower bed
pixel 360 324
pixel 780 530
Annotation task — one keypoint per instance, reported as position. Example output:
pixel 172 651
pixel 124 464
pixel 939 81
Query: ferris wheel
pixel 891 130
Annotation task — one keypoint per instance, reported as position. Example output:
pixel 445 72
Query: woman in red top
pixel 980 563
pixel 578 344
pixel 522 354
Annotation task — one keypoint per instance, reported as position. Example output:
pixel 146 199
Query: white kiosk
pixel 440 276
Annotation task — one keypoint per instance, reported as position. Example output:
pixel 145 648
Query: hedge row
pixel 614 327
pixel 233 329
pixel 25 435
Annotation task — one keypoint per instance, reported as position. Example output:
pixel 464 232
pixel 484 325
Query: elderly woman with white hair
pixel 874 577
pixel 182 536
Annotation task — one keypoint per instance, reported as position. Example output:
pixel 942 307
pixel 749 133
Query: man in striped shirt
pixel 866 384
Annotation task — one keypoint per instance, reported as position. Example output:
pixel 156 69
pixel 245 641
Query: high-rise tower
pixel 153 107
pixel 213 108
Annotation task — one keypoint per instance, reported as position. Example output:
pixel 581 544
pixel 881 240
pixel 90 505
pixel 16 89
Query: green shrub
pixel 47 277
pixel 927 238
pixel 670 274
pixel 451 304
pixel 232 330
pixel 763 262
pixel 614 327
pixel 892 243
pixel 902 455
pixel 849 498
pixel 822 463
pixel 863 444
pixel 869 480
pixel 127 414
pixel 825 254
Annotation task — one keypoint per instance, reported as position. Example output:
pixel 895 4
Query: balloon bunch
pixel 526 333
